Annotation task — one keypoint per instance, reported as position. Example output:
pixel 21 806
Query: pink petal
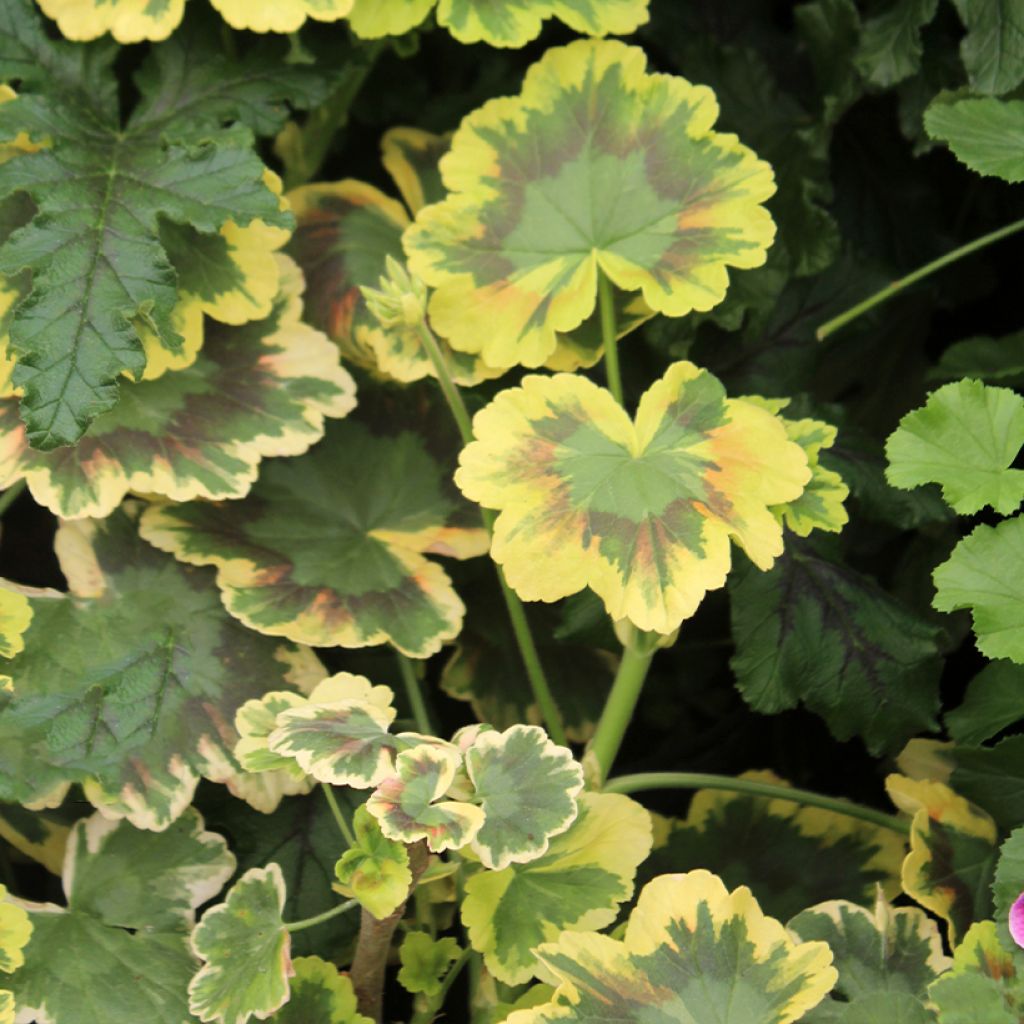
pixel 1017 920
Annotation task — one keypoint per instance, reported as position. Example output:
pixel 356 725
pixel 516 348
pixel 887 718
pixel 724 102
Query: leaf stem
pixel 9 496
pixel 427 1014
pixel 414 693
pixel 697 780
pixel 343 826
pixel 609 335
pixel 517 614
pixel 886 293
pixel 310 922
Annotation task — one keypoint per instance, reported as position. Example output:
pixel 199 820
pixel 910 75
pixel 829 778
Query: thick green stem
pixel 886 293
pixel 343 826
pixel 434 1004
pixel 609 335
pixel 696 780
pixel 622 701
pixel 414 694
pixel 10 495
pixel 310 922
pixel 517 614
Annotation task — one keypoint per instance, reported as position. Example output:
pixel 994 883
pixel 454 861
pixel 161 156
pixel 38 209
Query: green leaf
pixel 329 548
pixel 41 835
pixel 527 786
pixel 15 618
pixel 965 437
pixel 425 962
pixel 244 947
pixel 992 702
pixel 1008 883
pixel 376 870
pixel 993 777
pixel 255 720
pixel 138 699
pixel 891 954
pixel 577 885
pixel 985 134
pixel 115 878
pixel 985 573
pixel 993 49
pixel 993 360
pixel 816 632
pixel 890 43
pixel 319 995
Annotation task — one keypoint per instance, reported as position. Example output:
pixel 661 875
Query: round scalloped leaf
pixel 320 994
pixel 255 720
pixel 404 805
pixel 374 19
pixel 255 391
pixel 985 573
pixel 137 699
pixel 577 885
pixel 15 931
pixel 245 948
pixel 952 852
pixel 692 951
pixel 596 166
pixel 642 511
pixel 965 437
pixel 425 962
pixel 329 549
pixel 128 21
pixel 527 786
pixel 279 15
pixel 376 870
pixel 15 618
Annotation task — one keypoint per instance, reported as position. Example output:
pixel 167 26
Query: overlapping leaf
pixel 577 885
pixel 281 15
pixel 15 932
pixel 128 21
pixel 641 512
pixel 131 898
pixel 993 48
pixel 376 870
pixel 15 618
pixel 137 699
pixel 320 994
pixel 985 134
pixel 571 178
pixel 425 962
pixel 38 834
pixel 692 951
pixel 991 704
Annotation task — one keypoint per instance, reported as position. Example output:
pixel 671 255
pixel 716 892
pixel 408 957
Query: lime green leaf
pixel 992 702
pixel 281 15
pixel 985 134
pixel 329 549
pixel 986 983
pixel 15 618
pixel 544 196
pixel 985 573
pixel 527 786
pixel 577 885
pixel 816 632
pixel 993 49
pixel 373 19
pixel 15 931
pixel 128 21
pixel 425 962
pixel 642 511
pixel 790 855
pixel 376 870
pixel 409 807
pixel 692 951
pixel 952 852
pixel 245 952
pixel 965 438
pixel 138 698
pixel 254 391
pixel 116 878
pixel 319 995
pixel 890 44
pixel 889 954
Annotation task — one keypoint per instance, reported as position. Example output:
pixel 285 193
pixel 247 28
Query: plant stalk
pixel 697 780
pixel 9 496
pixel 886 293
pixel 343 825
pixel 309 922
pixel 542 694
pixel 609 335
pixel 414 694
pixel 374 944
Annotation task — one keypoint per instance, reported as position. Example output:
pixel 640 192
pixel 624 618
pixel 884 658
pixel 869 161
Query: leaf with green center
pixel 790 855
pixel 408 805
pixel 254 391
pixel 15 618
pixel 952 852
pixel 577 885
pixel 281 15
pixel 985 134
pixel 965 438
pixel 376 870
pixel 596 166
pixel 138 698
pixel 991 704
pixel 425 962
pixel 319 995
pixel 245 951
pixel 132 898
pixel 816 632
pixel 640 511
pixel 128 21
pixel 985 984
pixel 993 49
pixel 329 549
pixel 886 957
pixel 890 46
pixel 527 786
pixel 255 720
pixel 692 951
pixel 985 573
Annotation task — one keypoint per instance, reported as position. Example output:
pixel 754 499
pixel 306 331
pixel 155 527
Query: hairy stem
pixel 343 826
pixel 8 497
pixel 696 780
pixel 309 922
pixel 414 694
pixel 609 335
pixel 374 944
pixel 886 293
